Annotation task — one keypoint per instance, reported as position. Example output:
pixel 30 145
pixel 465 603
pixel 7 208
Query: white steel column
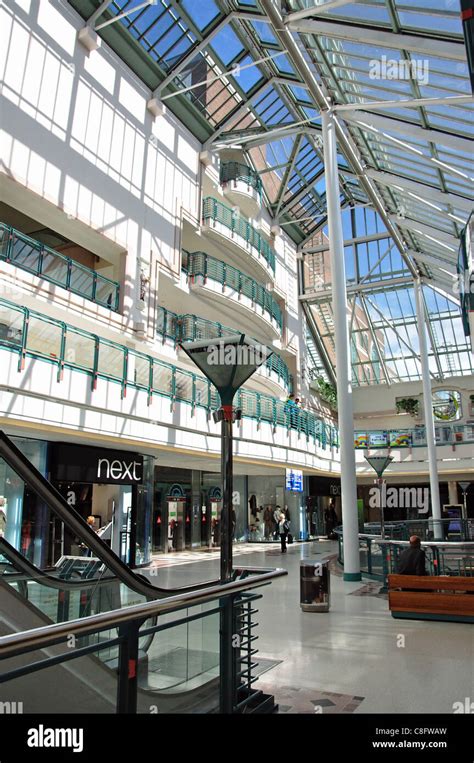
pixel 428 406
pixel 350 522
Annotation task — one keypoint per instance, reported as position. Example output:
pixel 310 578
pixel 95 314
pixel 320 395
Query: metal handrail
pixel 19 643
pixel 187 327
pixel 156 377
pixel 37 267
pixel 212 209
pixel 238 171
pixel 202 264
pixel 438 543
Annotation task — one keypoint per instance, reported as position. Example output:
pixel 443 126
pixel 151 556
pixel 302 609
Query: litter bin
pixel 314 585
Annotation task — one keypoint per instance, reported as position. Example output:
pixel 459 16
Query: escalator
pixel 78 528
pixel 176 667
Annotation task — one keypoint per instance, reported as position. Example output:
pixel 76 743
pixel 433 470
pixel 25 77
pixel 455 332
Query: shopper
pixel 412 561
pixel 283 527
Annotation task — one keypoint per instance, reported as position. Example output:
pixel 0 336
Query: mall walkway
pixel 353 651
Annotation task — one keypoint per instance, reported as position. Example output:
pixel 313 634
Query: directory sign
pixel 294 480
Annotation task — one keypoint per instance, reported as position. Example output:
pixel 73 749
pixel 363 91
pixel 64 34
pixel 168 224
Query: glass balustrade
pixel 191 328
pixel 215 211
pixel 28 333
pixel 36 258
pixel 244 173
pixel 207 267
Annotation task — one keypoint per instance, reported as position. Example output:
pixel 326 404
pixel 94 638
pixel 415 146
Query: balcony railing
pixel 34 257
pixel 200 264
pixel 236 171
pixel 217 212
pixel 190 328
pixel 32 334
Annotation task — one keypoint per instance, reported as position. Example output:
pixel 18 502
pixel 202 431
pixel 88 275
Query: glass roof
pixel 242 86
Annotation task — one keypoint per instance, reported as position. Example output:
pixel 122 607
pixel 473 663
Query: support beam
pixel 444 291
pixel 432 337
pixel 322 352
pixel 301 194
pixel 428 405
pixel 287 175
pixel 406 103
pixel 347 145
pixel 430 46
pixel 192 54
pixel 378 124
pixel 347 242
pixel 450 242
pixel 323 295
pixel 314 10
pixel 393 328
pixel 421 189
pixel 98 13
pixel 123 15
pixel 243 109
pixel 374 341
pixel 343 354
pixel 449 265
pixel 223 75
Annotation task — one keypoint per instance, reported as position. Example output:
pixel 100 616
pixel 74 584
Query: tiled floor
pixel 291 699
pixel 355 650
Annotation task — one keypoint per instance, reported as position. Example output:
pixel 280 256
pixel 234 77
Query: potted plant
pixel 327 392
pixel 408 405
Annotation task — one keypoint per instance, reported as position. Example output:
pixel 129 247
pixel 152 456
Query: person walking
pixel 283 527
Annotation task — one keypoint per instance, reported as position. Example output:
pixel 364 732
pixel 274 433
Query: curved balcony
pixel 190 328
pixel 232 290
pixel 34 257
pixel 242 186
pixel 26 332
pixel 241 239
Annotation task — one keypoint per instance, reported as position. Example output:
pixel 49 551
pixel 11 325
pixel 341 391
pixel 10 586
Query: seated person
pixel 412 561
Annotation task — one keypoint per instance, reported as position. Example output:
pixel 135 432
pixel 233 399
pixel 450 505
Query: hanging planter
pixel 327 392
pixel 408 405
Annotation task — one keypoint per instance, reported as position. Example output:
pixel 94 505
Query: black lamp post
pixel 379 464
pixel 228 362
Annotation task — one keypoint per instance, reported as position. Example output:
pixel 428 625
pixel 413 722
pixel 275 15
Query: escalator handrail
pixel 25 567
pixel 72 519
pixel 18 643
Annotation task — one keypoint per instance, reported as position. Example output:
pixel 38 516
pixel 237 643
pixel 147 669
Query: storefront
pixel 187 509
pixel 268 496
pixel 324 494
pixel 24 518
pixel 113 486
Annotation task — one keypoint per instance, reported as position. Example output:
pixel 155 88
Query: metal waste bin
pixel 314 585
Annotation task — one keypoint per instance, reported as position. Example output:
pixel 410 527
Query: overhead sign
pixel 78 463
pixel 294 480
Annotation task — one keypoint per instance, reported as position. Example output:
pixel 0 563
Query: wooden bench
pixel 434 598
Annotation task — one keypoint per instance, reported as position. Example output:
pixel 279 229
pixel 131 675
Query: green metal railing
pixel 201 264
pixel 217 212
pixel 34 257
pixel 190 328
pixel 379 558
pixel 29 333
pixel 236 171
